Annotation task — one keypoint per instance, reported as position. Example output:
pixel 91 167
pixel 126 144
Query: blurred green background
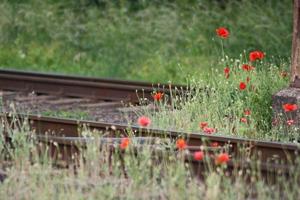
pixel 150 40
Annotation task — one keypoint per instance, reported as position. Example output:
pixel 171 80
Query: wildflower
pixel 222 32
pixel 242 85
pixel 222 158
pixel 144 121
pixel 180 144
pixel 226 72
pixel 203 125
pixel 198 155
pixel 256 55
pixel 124 143
pixel 243 119
pixel 290 107
pixel 158 96
pixel 290 122
pixel 214 144
pixel 247 112
pixel 209 130
pixel 246 67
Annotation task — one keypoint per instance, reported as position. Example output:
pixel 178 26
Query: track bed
pixel 105 108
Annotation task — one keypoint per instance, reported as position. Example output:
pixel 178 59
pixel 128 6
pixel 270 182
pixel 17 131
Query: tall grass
pixel 145 40
pixel 31 175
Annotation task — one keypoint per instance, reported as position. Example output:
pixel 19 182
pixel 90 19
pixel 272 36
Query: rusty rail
pixel 239 148
pixel 76 86
pixel 68 146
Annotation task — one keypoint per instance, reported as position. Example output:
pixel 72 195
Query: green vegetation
pixel 77 114
pixel 221 103
pixel 31 175
pixel 145 40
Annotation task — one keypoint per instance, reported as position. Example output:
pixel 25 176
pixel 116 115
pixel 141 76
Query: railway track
pixel 94 99
pixel 76 86
pixel 56 92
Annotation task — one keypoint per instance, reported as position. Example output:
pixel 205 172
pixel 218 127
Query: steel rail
pixel 83 141
pixel 77 86
pixel 115 141
pixel 265 168
pixel 150 141
pixel 67 147
pixel 237 147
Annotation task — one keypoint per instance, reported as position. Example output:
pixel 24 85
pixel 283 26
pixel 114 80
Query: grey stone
pixel 289 95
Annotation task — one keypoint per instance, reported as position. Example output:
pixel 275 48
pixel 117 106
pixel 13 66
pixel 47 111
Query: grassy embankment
pixel 144 41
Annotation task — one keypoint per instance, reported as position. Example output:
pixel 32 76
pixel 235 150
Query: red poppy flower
pixel 198 155
pixel 226 72
pixel 246 67
pixel 124 143
pixel 222 158
pixel 290 107
pixel 158 96
pixel 209 130
pixel 290 122
pixel 242 85
pixel 214 144
pixel 256 55
pixel 144 121
pixel 244 120
pixel 180 144
pixel 222 32
pixel 247 112
pixel 203 125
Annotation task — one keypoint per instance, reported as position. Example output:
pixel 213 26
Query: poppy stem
pixel 223 53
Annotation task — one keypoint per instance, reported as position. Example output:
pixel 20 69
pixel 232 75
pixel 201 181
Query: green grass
pixel 77 114
pixel 145 40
